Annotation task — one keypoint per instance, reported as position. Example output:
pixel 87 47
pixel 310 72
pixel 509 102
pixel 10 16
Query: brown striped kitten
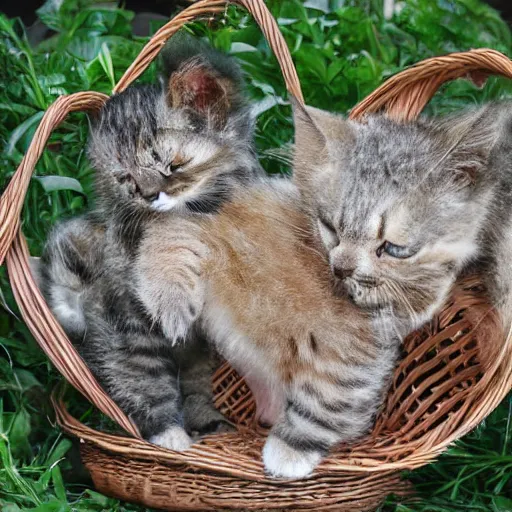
pixel 315 362
pixel 174 151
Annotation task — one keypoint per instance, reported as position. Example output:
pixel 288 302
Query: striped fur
pixel 85 275
pixel 404 208
pixel 173 152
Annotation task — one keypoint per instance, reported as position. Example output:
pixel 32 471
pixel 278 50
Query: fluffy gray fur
pixel 160 151
pixel 404 208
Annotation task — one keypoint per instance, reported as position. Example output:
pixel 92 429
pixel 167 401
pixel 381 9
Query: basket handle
pixel 260 13
pixel 32 305
pixel 404 95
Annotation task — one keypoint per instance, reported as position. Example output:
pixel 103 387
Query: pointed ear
pixel 198 86
pixel 470 139
pixel 319 136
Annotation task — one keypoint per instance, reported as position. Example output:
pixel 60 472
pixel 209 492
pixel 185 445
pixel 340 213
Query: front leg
pixel 321 413
pixel 168 276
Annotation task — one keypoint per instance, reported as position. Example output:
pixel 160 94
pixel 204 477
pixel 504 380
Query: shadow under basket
pixel 453 373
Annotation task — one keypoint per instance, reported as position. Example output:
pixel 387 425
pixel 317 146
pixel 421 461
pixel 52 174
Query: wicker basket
pixel 448 381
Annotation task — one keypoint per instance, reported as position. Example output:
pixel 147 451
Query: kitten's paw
pixel 281 460
pixel 173 438
pixel 177 320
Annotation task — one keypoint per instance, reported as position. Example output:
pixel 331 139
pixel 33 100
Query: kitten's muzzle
pixel 343 273
pixel 366 281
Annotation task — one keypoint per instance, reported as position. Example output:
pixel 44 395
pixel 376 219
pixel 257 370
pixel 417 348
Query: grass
pixel 343 50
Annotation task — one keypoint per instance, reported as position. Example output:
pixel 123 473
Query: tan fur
pixel 261 256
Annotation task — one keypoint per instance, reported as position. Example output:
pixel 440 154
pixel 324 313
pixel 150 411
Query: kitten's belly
pixel 248 359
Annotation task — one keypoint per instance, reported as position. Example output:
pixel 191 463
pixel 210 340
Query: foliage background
pixel 343 50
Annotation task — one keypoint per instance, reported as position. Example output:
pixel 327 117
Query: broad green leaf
pixel 242 48
pixel 321 5
pixel 286 21
pixel 266 104
pixel 502 504
pixel 54 183
pixel 19 433
pixel 105 60
pixel 11 507
pixel 58 483
pixel 53 505
pixel 24 110
pixel 59 451
pixel 21 130
pixel 98 498
pixel 25 379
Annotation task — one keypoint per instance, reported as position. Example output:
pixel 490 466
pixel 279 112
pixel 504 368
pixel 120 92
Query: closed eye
pixel 175 166
pixel 395 251
pixel 172 167
pixel 327 224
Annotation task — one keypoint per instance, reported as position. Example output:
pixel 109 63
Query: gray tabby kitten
pixel 170 151
pixel 404 208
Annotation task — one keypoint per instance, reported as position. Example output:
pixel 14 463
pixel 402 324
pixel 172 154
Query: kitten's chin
pixel 165 203
pixel 357 294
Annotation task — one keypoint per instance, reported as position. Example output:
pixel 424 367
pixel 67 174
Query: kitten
pixel 316 366
pixel 160 152
pixel 404 208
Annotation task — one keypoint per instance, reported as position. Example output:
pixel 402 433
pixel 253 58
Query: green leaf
pixel 48 13
pixel 19 433
pixel 502 504
pixel 11 507
pixel 58 484
pixel 242 48
pixel 24 110
pixel 55 183
pixel 98 498
pixel 59 451
pixel 321 5
pixel 21 130
pixel 53 506
pixel 105 60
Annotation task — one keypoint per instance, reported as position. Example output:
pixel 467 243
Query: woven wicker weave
pixel 445 385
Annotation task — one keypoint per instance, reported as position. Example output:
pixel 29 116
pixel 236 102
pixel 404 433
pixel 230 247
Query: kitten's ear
pixel 197 86
pixel 202 79
pixel 319 136
pixel 471 137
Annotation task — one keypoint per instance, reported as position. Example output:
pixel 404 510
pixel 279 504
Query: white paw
pixel 173 438
pixel 178 318
pixel 281 460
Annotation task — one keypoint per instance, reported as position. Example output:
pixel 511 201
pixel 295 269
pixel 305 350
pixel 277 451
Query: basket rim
pixel 355 457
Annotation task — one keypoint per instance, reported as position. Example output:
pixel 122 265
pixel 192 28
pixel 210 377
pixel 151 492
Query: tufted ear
pixel 199 87
pixel 319 137
pixel 468 140
pixel 202 79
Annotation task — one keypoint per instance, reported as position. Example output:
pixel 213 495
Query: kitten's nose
pixel 343 273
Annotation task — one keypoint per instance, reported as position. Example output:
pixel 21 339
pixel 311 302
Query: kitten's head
pixel 183 145
pixel 398 207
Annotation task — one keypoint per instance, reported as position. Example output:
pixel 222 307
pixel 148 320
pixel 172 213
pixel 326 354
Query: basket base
pixel 179 487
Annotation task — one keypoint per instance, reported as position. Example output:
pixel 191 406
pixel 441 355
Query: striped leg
pixel 318 415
